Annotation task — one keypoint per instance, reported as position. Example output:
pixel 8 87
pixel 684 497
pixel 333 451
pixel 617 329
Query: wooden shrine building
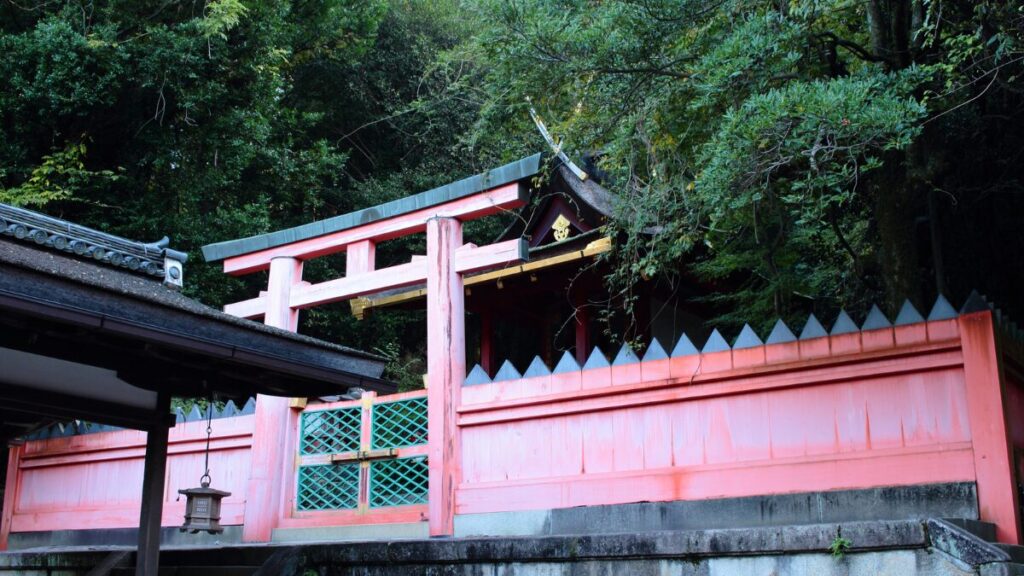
pixel 551 302
pixel 93 329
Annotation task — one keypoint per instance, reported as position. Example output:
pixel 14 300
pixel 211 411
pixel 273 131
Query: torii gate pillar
pixel 273 416
pixel 446 369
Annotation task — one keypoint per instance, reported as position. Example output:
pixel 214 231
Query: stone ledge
pixel 917 502
pixel 864 536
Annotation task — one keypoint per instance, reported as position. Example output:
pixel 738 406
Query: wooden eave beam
pixel 493 201
pixel 596 247
pixel 46 403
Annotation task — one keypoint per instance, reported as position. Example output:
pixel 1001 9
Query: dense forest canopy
pixel 800 154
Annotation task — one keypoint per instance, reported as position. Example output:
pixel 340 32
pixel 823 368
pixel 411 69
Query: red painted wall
pixel 917 404
pixel 711 430
pixel 95 480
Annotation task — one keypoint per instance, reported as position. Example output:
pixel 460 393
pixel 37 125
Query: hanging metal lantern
pixel 202 509
pixel 202 505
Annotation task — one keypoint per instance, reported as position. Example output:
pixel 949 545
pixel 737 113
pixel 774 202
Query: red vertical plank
pixel 284 274
pixel 684 367
pixel 654 370
pixel 566 381
pixel 879 339
pixel 360 257
pixel 264 492
pixel 446 369
pixel 10 491
pixel 290 471
pixel 748 357
pixel 626 374
pixel 784 352
pixel 814 348
pixel 848 343
pixel 715 361
pixel 997 494
pixel 596 377
pixel 939 330
pixel 907 334
pixel 365 443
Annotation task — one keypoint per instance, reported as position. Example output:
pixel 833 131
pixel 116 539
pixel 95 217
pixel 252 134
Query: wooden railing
pixel 359 462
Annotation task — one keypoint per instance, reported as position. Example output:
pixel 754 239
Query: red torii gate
pixel 440 213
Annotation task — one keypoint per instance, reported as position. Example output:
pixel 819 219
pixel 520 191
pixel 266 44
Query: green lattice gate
pixel 363 455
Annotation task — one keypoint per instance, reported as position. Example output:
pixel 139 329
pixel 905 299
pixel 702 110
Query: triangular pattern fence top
pixel 79 427
pixel 747 338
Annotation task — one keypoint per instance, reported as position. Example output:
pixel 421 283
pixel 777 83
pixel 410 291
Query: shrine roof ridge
pixel 54 234
pixel 512 172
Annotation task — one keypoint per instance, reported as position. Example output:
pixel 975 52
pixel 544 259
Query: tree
pixel 790 149
pixel 218 120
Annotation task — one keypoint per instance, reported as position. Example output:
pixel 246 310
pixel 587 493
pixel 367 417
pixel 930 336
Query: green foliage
pixel 783 152
pixel 839 546
pixel 778 191
pixel 787 156
pixel 229 119
pixel 221 17
pixel 56 179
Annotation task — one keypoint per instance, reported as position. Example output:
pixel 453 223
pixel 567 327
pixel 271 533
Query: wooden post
pixel 147 558
pixel 273 415
pixel 993 456
pixel 360 257
pixel 284 274
pixel 446 369
pixel 365 444
pixel 13 482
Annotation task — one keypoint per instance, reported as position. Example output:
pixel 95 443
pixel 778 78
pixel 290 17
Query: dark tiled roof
pixel 59 235
pixel 121 282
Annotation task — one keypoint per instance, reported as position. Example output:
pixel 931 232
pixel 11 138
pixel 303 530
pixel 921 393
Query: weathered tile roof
pixel 59 235
pixel 122 283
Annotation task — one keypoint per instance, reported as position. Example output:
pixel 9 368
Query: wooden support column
pixel 993 456
pixel 360 257
pixel 147 558
pixel 285 273
pixel 11 486
pixel 263 499
pixel 446 369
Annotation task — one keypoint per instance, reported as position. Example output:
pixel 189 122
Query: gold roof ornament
pixel 561 227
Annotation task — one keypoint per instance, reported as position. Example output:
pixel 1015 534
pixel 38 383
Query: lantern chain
pixel 209 432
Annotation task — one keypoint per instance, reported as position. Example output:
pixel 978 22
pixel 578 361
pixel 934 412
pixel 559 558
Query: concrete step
pixel 195 571
pixel 1002 569
pixel 984 530
pixel 1016 552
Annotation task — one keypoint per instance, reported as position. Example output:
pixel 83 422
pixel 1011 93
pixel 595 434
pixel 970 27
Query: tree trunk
pixel 898 185
pixel 895 207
